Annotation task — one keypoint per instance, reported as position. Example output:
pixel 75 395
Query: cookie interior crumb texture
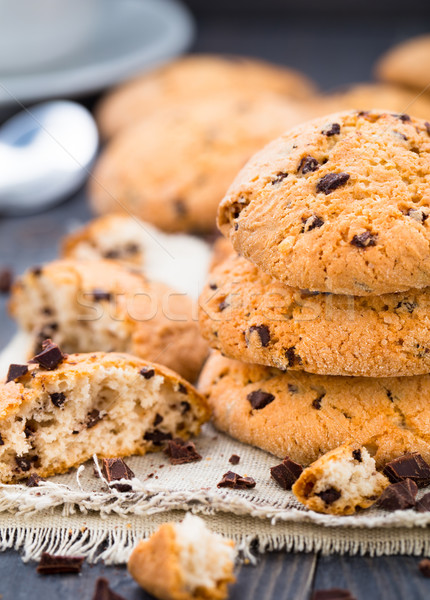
pixel 184 561
pixel 104 404
pixel 340 482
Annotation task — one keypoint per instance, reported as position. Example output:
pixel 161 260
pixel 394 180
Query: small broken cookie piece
pixel 340 481
pixel 409 466
pixel 184 561
pixel 95 403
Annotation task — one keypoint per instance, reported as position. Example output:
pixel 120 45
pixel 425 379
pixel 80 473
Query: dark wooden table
pixel 334 50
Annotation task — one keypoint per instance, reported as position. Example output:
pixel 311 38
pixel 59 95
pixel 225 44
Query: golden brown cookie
pixel 339 204
pixel 55 414
pixel 87 306
pixel 303 416
pixel 184 561
pixel 250 316
pixel 407 64
pixel 196 77
pixel 341 481
pixel 172 168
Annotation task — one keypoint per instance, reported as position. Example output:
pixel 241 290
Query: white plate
pixel 130 36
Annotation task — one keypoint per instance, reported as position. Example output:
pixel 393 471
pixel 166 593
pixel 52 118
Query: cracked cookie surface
pixel 250 316
pixel 339 204
pixel 305 416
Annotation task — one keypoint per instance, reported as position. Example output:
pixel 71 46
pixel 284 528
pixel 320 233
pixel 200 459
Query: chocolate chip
pixel 235 481
pixel 1 440
pixel 418 214
pixel 158 419
pixel 28 431
pixel 33 480
pixel 308 164
pixel 6 279
pixel 423 504
pixel 234 459
pixel 55 565
pixel 93 417
pixel 331 182
pixel 293 358
pixel 36 271
pixel 102 591
pixel 410 306
pixel 259 399
pixel 112 254
pixel 50 357
pixel 115 469
pixel 157 437
pixel 427 126
pixel 23 463
pixel 15 372
pixel 400 135
pixel 424 567
pixel 280 176
pixel 263 333
pixel 286 473
pixel 409 466
pixel 58 399
pixel 180 208
pixel 312 222
pixel 403 117
pixel 99 295
pixel 213 286
pixel 317 402
pixel 292 388
pixel 181 452
pixel 399 496
pixel 364 240
pixel 185 407
pixel 356 455
pixel 329 496
pixel 332 594
pixel 223 305
pixel 147 372
pixel 333 129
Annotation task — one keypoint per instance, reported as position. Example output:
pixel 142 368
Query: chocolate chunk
pixel 234 459
pixel 33 480
pixel 50 357
pixel 58 399
pixel 308 164
pixel 115 469
pixel 28 431
pixel 293 388
pixel 15 372
pixel 356 455
pixel 331 182
pixel 131 248
pixel 1 440
pixel 312 222
pixel 280 176
pixel 158 419
pixel 157 437
pixel 424 567
pixel 182 389
pixel 56 565
pixel 112 254
pixel 332 594
pixel 333 129
pixel 263 333
pixel 364 240
pixel 400 135
pixel 423 504
pixel 410 306
pixel 259 399
pixel 317 402
pixel 293 358
pixel 180 208
pixel 427 126
pixel 185 407
pixel 181 452
pixel 6 279
pixel 286 473
pixel 99 295
pixel 404 118
pixel 235 481
pixel 329 496
pixel 93 417
pixel 410 466
pixel 223 305
pixel 23 463
pixel 36 271
pixel 399 496
pixel 147 372
pixel 102 591
pixel 418 214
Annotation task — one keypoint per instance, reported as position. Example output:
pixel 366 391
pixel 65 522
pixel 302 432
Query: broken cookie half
pixel 341 481
pixel 184 561
pixel 63 409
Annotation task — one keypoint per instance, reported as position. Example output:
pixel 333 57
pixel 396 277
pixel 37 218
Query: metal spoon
pixel 45 155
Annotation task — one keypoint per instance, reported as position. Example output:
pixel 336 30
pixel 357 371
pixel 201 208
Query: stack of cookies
pixel 322 319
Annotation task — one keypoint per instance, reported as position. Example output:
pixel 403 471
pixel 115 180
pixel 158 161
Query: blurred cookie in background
pixel 173 168
pixel 192 78
pixel 407 64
